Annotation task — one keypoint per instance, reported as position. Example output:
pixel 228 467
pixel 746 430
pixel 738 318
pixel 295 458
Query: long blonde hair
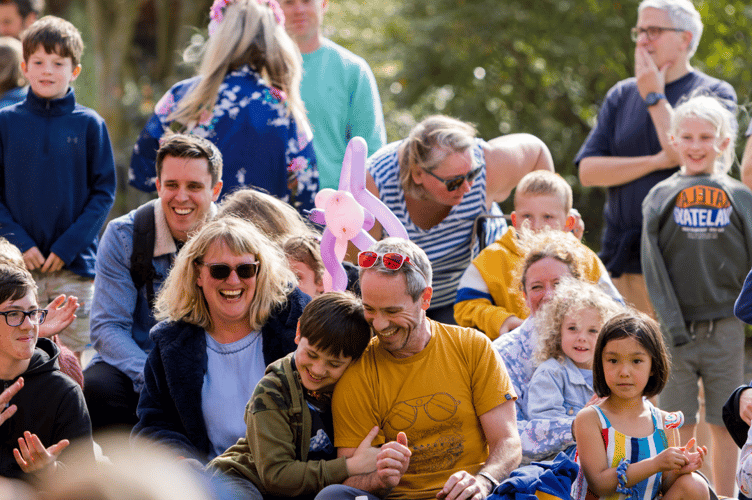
pixel 248 34
pixel 182 299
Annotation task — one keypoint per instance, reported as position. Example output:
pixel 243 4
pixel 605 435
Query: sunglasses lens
pixel 367 259
pixel 220 271
pixel 393 261
pixel 246 271
pixel 455 184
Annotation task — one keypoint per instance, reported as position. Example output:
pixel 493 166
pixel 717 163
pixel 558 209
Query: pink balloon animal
pixel 348 214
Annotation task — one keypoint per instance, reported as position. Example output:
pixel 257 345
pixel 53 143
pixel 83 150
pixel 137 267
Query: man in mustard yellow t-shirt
pixel 440 394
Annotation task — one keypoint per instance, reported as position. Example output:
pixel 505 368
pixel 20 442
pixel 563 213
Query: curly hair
pixel 571 296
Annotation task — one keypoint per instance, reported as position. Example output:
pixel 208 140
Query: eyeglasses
pixel 652 32
pixel 16 318
pixel 454 183
pixel 223 271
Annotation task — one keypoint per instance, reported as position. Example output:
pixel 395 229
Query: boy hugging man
pixel 288 448
pixel 486 297
pixel 57 181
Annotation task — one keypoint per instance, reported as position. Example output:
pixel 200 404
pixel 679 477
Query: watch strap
pixel 494 482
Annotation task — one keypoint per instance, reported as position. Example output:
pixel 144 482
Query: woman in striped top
pixel 439 180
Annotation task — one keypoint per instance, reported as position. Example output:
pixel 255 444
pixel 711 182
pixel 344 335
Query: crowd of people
pixel 459 364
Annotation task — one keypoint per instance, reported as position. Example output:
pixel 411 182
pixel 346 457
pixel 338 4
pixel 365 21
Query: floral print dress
pixel 261 144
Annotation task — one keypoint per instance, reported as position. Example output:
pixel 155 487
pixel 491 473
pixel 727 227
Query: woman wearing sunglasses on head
pixel 230 307
pixel 439 180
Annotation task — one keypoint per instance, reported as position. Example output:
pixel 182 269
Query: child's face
pixel 627 366
pixel 319 369
pixel 49 74
pixel 306 278
pixel 579 331
pixel 539 211
pixel 17 342
pixel 697 145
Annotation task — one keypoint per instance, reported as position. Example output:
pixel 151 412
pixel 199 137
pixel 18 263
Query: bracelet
pixel 492 480
pixel 621 477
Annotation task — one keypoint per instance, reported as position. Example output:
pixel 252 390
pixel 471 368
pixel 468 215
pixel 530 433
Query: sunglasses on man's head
pixel 223 271
pixel 454 183
pixel 391 260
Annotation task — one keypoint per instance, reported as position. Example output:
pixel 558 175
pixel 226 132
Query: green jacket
pixel 273 454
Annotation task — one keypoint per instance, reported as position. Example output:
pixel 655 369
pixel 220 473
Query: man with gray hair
pixel 629 152
pixel 443 389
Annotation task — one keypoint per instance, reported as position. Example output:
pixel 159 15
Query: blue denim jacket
pixel 120 314
pixel 540 437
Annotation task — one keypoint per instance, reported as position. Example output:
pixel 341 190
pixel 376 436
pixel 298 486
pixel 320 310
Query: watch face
pixel 652 98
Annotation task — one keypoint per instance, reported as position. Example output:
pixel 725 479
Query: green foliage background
pixel 540 66
pixel 537 66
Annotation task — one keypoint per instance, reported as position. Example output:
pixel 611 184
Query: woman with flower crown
pixel 245 99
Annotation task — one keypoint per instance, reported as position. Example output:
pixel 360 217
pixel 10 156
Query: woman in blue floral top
pixel 246 99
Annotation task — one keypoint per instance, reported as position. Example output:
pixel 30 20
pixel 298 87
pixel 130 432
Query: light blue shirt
pixel 233 370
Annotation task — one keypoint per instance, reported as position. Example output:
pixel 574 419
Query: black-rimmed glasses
pixel 16 318
pixel 454 183
pixel 652 32
pixel 223 271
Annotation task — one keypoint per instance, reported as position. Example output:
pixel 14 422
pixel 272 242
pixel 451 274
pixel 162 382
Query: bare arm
pixel 606 171
pixel 504 455
pixel 509 158
pixel 747 164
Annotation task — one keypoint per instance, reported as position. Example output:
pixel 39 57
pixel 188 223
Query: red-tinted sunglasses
pixel 391 260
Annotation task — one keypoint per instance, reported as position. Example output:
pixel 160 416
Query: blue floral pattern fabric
pixel 543 436
pixel 261 144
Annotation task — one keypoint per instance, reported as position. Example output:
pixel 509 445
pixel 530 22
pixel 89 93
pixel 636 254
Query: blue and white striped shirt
pixel 448 244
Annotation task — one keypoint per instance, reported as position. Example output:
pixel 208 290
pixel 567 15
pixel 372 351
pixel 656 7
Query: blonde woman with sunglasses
pixel 439 180
pixel 229 308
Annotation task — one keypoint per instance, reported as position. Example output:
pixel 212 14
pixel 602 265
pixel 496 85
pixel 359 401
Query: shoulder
pixel 167 332
pixel 347 57
pixel 273 391
pixel 551 365
pixel 719 87
pixel 289 312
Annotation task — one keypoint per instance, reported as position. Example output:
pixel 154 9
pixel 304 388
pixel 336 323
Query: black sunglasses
pixel 454 183
pixel 223 271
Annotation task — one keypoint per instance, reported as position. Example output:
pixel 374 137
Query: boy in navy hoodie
pixel 57 181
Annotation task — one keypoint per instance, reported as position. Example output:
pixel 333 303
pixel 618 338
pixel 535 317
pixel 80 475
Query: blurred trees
pixel 537 66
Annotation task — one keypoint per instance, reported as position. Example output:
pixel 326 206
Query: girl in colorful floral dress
pixel 245 99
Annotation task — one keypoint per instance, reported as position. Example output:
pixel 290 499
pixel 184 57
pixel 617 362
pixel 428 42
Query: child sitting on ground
pixel 562 384
pixel 696 250
pixel 288 450
pixel 486 298
pixel 623 443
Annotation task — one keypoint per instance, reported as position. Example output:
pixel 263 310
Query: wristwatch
pixel 652 98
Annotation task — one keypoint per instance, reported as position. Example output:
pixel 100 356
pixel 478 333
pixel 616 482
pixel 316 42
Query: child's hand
pixel 673 458
pixel 33 258
pixel 363 460
pixel 52 264
pixel 595 399
pixel 33 456
pixel 60 314
pixel 694 458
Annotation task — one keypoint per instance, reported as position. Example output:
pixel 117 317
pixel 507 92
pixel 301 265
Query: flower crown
pixel 217 12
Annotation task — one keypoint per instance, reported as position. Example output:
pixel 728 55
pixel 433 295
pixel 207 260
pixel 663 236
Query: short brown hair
pixel 545 183
pixel 57 36
pixel 15 283
pixel 334 322
pixel 190 146
pixel 647 332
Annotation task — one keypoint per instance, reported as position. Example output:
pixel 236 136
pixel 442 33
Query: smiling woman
pixel 231 308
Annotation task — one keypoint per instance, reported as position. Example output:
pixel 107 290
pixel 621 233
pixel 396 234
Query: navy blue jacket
pixel 57 181
pixel 169 410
